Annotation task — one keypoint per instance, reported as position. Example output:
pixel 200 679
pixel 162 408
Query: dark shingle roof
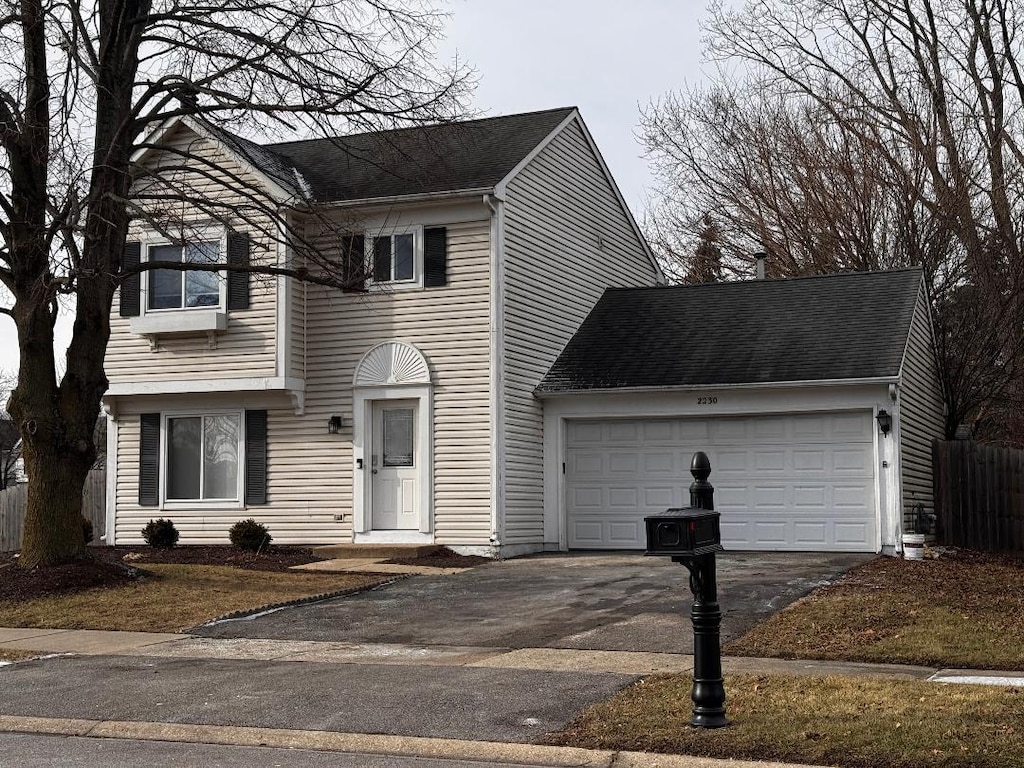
pixel 438 158
pixel 844 326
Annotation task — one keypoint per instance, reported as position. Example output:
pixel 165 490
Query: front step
pixel 375 551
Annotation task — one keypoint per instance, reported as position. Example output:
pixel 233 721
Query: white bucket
pixel 913 546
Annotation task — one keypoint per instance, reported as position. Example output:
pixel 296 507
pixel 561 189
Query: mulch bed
pixel 442 558
pixel 115 566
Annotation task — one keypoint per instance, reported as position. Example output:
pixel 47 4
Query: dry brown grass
pixel 174 598
pixel 963 611
pixel 855 722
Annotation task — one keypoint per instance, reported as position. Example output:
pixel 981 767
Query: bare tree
pixel 81 86
pixel 866 134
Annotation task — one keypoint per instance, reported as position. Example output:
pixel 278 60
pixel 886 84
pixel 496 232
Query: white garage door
pixel 793 482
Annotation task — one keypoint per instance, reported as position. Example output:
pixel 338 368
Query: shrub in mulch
pixel 250 536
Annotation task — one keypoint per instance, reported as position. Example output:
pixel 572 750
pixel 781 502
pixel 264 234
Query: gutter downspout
pixel 497 367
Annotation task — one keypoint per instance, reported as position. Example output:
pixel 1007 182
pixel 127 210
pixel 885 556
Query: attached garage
pixel 780 382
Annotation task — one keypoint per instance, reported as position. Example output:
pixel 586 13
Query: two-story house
pixel 504 374
pixel 402 413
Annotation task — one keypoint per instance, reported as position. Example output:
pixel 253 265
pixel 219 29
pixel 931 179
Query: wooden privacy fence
pixel 979 495
pixel 12 509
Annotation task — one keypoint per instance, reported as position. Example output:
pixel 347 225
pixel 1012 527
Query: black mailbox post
pixel 691 536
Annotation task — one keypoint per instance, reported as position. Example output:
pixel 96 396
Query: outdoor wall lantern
pixel 884 421
pixel 691 536
pixel 334 424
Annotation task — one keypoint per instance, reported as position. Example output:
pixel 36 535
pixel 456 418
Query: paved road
pixel 619 601
pixel 34 751
pixel 476 703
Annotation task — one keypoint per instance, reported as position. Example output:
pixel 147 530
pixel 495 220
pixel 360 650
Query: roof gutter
pixel 449 194
pixel 542 394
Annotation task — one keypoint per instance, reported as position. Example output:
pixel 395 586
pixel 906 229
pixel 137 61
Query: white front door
pixel 394 466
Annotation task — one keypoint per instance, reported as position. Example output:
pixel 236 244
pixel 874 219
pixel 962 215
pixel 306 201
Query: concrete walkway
pixel 191 668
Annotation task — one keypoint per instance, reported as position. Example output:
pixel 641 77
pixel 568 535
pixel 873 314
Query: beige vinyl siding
pixel 921 409
pixel 566 240
pixel 310 471
pixel 247 348
pixel 296 351
pixel 303 498
pixel 450 326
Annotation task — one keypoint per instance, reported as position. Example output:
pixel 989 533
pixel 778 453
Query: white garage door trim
pixel 782 481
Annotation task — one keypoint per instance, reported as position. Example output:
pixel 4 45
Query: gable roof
pixel 824 328
pixel 475 154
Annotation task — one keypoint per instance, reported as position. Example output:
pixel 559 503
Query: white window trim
pixel 182 319
pixel 238 502
pixel 417 258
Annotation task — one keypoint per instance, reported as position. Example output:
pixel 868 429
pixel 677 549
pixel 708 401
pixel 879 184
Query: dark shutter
pixel 435 257
pixel 149 460
pixel 381 259
pixel 353 259
pixel 130 285
pixel 255 457
pixel 238 282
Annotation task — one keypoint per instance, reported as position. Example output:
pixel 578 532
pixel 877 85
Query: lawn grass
pixel 965 611
pixel 856 722
pixel 175 597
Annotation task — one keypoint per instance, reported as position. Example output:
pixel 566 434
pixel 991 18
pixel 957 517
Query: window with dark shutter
pixel 255 457
pixel 353 259
pixel 130 286
pixel 435 257
pixel 238 281
pixel 149 460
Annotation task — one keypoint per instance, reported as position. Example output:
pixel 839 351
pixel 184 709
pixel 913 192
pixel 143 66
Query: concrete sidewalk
pixel 179 646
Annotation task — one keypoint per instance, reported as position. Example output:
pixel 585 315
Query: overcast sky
pixel 607 57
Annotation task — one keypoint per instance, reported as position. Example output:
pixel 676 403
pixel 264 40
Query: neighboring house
pixel 782 382
pixel 12 466
pixel 405 413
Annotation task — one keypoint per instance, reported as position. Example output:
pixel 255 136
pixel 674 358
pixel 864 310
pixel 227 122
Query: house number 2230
pixel 707 400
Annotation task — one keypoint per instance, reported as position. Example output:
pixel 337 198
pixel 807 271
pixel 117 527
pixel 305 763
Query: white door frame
pixel 394 370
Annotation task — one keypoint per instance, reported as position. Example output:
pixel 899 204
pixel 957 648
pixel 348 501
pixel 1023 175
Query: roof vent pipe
pixel 760 256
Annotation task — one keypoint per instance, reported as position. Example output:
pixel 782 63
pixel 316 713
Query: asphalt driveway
pixel 599 601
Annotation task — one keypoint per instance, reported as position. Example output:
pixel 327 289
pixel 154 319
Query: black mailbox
pixel 683 532
pixel 691 536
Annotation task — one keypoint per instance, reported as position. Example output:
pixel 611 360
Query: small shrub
pixel 87 530
pixel 160 533
pixel 250 535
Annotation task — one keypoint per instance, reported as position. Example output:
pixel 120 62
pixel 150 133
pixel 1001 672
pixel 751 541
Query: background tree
pixel 867 134
pixel 81 84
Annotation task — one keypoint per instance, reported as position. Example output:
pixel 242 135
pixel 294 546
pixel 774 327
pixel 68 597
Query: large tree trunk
pixel 53 520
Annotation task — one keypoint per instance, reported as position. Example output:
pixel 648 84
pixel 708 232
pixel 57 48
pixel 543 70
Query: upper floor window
pixel 395 258
pixel 184 300
pixel 184 289
pixel 409 258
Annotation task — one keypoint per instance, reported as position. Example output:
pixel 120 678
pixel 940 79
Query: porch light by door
pixel 334 424
pixel 884 421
